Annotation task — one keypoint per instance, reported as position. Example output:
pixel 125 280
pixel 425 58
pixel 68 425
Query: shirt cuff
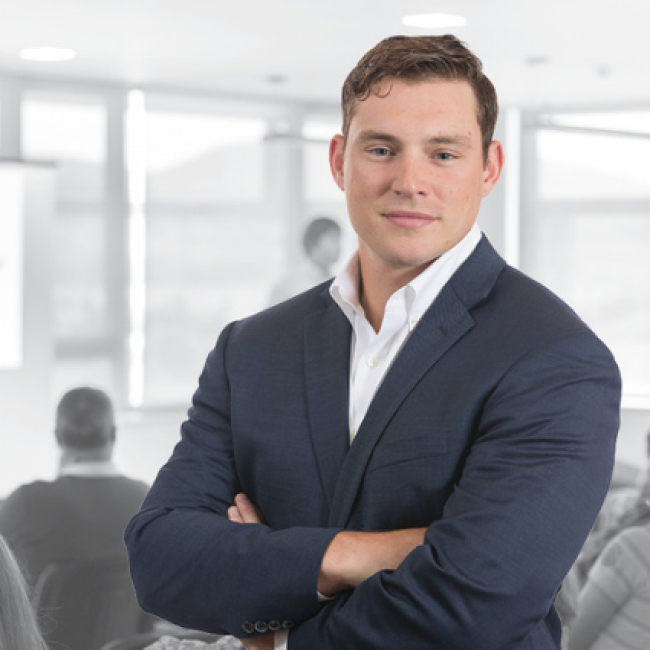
pixel 280 640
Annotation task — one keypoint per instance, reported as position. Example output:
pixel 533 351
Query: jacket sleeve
pixel 193 567
pixel 530 489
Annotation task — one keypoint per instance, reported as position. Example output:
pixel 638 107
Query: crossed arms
pixel 487 571
pixel 351 558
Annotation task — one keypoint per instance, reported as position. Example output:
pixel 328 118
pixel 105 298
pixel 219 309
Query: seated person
pixel 83 512
pixel 613 605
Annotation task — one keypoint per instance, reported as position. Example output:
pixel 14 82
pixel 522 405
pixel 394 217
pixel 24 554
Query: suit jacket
pixel 495 427
pixel 69 518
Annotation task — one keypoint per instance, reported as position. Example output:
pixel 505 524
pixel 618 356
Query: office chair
pixel 83 605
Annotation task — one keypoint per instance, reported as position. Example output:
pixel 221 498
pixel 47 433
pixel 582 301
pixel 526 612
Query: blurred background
pixel 158 169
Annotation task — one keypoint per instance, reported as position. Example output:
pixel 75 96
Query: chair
pixel 83 605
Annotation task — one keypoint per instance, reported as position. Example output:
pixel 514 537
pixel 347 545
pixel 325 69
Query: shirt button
pixel 372 362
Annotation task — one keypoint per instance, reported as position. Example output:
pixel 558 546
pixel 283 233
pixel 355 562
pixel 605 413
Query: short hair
pixel 85 419
pixel 421 58
pixel 318 227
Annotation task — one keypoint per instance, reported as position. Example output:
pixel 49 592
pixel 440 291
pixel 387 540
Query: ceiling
pixel 548 53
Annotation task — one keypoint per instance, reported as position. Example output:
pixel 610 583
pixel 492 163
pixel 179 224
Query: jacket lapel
pixel 327 364
pixel 444 323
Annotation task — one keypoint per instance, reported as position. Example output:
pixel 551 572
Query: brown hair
pixel 421 58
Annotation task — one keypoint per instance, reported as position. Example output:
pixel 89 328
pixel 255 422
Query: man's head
pixel 421 58
pixel 85 422
pixel 413 162
pixel 322 241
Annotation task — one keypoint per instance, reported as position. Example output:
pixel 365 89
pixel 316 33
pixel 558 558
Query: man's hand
pixel 353 557
pixel 244 511
pixel 262 642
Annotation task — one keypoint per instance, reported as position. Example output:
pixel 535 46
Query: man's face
pixel 413 172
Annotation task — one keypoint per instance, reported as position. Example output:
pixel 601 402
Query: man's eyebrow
pixel 366 136
pixel 372 135
pixel 462 140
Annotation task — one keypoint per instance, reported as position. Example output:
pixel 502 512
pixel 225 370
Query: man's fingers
pixel 235 515
pixel 247 510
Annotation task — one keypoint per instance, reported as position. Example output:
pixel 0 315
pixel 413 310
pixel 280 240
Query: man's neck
pixel 377 284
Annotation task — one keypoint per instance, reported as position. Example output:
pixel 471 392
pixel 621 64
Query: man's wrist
pixel 353 556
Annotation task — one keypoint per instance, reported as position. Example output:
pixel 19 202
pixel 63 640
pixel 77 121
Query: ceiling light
pixel 47 54
pixel 434 21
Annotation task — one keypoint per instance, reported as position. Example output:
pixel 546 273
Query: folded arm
pixel 529 492
pixel 194 567
pixel 351 557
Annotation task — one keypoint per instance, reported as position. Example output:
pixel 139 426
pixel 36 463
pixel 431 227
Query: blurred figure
pixel 321 242
pixel 566 605
pixel 18 627
pixel 614 604
pixel 172 643
pixel 83 512
pixel 623 508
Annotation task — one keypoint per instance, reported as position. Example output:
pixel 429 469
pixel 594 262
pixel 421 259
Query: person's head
pixel 85 424
pixel 417 59
pixel 416 158
pixel 322 241
pixel 18 626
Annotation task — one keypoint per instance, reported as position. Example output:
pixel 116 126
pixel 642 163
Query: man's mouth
pixel 409 219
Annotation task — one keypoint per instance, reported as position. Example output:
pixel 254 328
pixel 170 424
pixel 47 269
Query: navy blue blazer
pixel 495 427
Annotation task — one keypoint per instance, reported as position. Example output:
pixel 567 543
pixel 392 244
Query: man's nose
pixel 411 175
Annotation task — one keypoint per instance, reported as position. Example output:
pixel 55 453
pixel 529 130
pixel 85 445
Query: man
pixel 412 456
pixel 321 243
pixel 83 512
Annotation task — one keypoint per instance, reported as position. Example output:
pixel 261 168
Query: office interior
pixel 156 187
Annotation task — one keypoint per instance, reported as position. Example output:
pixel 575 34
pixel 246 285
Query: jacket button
pixel 261 626
pixel 274 626
pixel 287 624
pixel 248 627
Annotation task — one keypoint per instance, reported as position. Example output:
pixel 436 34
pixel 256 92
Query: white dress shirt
pixel 372 353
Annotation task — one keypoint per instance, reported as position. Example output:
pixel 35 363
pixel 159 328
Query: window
pixel 586 228
pixel 70 130
pixel 210 244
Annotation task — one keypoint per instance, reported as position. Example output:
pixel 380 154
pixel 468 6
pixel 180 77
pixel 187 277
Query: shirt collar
pixel 90 469
pixel 417 294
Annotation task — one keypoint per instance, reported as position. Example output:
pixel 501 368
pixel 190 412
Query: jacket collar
pixel 327 358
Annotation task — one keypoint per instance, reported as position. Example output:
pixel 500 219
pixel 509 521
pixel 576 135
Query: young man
pixel 412 455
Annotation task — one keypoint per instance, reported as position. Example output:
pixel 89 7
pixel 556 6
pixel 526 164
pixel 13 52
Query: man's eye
pixel 444 155
pixel 380 151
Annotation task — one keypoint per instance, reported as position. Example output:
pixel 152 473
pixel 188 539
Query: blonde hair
pixel 18 625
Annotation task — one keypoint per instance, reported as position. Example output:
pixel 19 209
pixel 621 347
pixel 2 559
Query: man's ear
pixel 337 146
pixel 493 166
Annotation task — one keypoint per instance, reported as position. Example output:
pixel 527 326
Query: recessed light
pixel 434 21
pixel 47 54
